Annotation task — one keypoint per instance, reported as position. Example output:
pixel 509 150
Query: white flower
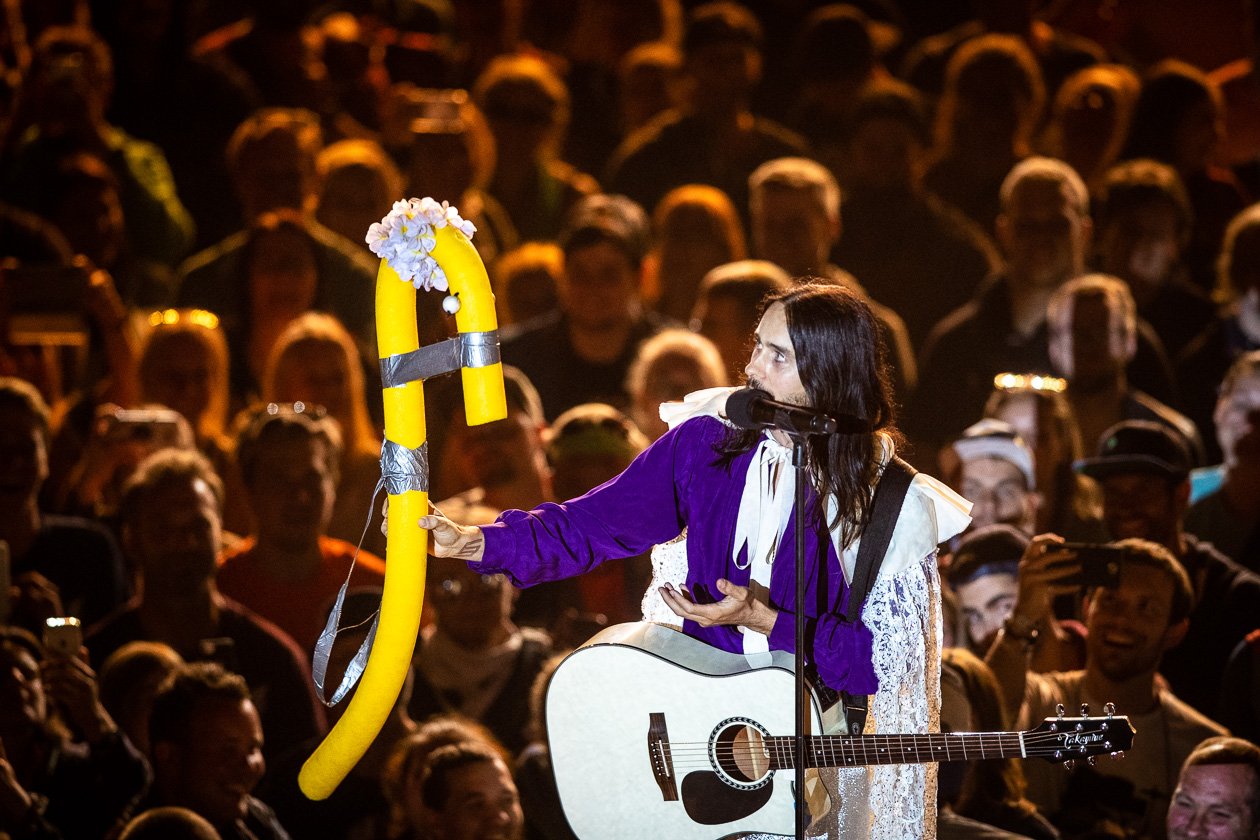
pixel 405 239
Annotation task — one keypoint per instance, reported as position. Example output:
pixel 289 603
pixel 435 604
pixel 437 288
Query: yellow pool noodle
pixel 407 545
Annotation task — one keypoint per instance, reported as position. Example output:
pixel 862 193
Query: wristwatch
pixel 1025 629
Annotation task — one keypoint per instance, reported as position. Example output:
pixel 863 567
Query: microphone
pixel 752 408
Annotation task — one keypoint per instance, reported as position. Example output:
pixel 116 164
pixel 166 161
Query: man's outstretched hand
pixel 738 607
pixel 460 542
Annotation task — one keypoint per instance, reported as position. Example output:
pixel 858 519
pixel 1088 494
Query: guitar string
pixel 1035 745
pixel 889 755
pixel 841 742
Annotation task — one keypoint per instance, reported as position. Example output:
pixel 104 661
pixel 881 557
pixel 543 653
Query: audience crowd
pixel 1048 206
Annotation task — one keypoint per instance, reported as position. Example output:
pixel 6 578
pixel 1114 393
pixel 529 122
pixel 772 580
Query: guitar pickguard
pixel 710 801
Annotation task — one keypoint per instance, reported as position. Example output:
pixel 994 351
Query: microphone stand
pixel 799 460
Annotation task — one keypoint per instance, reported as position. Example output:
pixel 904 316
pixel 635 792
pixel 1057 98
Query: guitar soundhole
pixel 739 755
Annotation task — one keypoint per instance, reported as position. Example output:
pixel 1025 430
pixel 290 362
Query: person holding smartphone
pixel 57 741
pixel 1143 469
pixel 1131 626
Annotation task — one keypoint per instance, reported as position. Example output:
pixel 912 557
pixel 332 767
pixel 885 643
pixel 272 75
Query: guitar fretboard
pixel 861 750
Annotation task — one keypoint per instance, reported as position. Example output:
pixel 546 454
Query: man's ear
pixel 1175 633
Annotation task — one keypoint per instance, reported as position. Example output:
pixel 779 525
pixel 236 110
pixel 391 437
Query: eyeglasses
pixel 481 585
pixel 259 416
pixel 1029 382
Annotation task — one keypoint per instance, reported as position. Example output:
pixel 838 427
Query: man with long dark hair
pixel 732 491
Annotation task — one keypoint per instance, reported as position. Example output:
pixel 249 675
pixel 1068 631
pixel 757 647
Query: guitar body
pixel 657 735
pixel 608 694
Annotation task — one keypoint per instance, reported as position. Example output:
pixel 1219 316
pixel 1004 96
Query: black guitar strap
pixel 890 492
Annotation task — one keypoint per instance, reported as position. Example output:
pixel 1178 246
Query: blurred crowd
pixel 1048 206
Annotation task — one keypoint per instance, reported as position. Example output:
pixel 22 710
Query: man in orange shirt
pixel 289 570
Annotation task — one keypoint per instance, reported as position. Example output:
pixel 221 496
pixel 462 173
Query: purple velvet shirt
pixel 673 484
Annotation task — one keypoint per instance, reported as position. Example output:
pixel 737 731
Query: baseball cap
pixel 996 439
pixel 993 549
pixel 1139 446
pixel 606 218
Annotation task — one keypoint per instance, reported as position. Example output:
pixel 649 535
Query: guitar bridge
pixel 661 757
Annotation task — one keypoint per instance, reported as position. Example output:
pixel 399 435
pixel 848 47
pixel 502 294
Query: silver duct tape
pixel 473 349
pixel 404 469
pixel 323 651
pixel 479 349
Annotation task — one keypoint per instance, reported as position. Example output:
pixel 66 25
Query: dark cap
pixel 993 549
pixel 1140 446
pixel 721 22
pixel 606 218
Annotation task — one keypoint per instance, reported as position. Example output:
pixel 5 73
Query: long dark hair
pixel 842 362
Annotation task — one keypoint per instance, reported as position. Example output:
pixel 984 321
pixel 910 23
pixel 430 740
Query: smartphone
pixel 156 427
pixel 6 583
pixel 62 637
pixel 1100 564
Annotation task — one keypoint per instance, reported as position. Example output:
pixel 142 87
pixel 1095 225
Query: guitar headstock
pixel 1068 739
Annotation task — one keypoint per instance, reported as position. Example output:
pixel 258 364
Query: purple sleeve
pixel 842 650
pixel 625 516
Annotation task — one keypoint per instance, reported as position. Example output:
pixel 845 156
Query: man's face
pixel 1142 246
pixel 175 535
pixel 791 229
pixel 283 277
pixel 885 154
pixel 728 324
pixel 772 367
pixel 274 173
pixel 719 78
pixel 669 378
pixel 1237 419
pixel 986 602
pixel 180 376
pixel 470 606
pixel 23 703
pixel 1142 505
pixel 482 805
pixel 601 287
pixel 23 456
pixel 214 768
pixel 1094 360
pixel 292 491
pixel 998 492
pixel 499 453
pixel 1210 803
pixel 316 373
pixel 1023 413
pixel 1042 235
pixel 1129 625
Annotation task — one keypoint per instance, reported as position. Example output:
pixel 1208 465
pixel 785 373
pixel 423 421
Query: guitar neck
pixel 863 750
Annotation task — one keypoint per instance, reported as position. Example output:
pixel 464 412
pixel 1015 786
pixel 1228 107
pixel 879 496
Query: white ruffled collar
pixel 941 515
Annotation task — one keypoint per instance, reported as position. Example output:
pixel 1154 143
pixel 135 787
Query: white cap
pixel 995 439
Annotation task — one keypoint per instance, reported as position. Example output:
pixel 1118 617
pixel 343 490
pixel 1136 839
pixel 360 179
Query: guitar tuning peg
pixel 1118 754
pixel 1109 709
pixel 1092 761
pixel 1070 764
pixel 1084 710
pixel 1058 710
